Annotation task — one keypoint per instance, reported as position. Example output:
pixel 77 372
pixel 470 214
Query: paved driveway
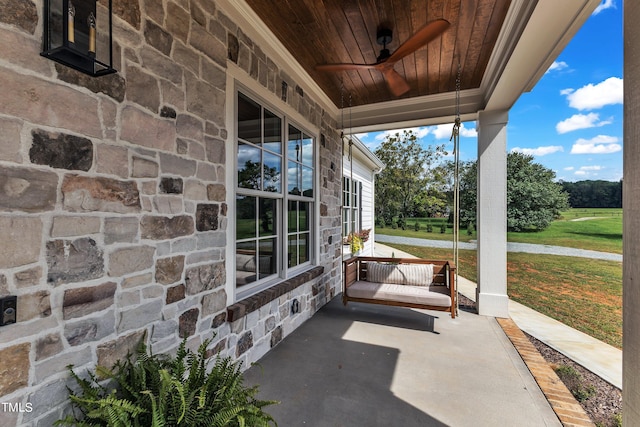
pixel 511 247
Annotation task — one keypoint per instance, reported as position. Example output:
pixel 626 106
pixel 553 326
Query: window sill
pixel 250 304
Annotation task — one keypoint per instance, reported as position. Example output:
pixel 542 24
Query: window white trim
pixel 238 80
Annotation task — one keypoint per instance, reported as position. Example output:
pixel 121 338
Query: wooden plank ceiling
pixel 344 31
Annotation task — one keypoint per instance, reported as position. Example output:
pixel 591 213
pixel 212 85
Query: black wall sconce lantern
pixel 78 34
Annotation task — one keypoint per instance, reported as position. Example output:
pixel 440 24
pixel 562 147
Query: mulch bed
pixel 606 402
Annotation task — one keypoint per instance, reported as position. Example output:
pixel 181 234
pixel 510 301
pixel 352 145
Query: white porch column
pixel 631 228
pixel 491 295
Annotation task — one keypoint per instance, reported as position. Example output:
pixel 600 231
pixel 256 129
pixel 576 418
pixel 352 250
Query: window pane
pixel 303 247
pixel 267 257
pixel 272 172
pixel 249 175
pixel 293 178
pixel 307 150
pixel 345 192
pixel 292 216
pixel 272 132
pixel 345 221
pixel 292 250
pixel 294 146
pixel 248 120
pixel 307 181
pixel 268 217
pixel 246 263
pixel 245 217
pixel 304 216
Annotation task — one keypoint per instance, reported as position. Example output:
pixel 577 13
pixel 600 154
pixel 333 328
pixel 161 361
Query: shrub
pixel 381 223
pixel 416 226
pixel 429 227
pixel 158 390
pixel 394 225
pixel 443 228
pixel 469 228
pixel 402 223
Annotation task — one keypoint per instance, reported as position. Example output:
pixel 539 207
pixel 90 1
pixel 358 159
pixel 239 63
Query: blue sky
pixel 571 122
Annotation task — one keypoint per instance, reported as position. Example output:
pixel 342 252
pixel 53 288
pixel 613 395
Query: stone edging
pixel 566 407
pixel 242 308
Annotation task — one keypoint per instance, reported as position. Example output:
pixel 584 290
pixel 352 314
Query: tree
pixel 534 200
pixel 403 187
pixel 594 194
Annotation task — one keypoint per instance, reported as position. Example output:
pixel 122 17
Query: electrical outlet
pixel 8 310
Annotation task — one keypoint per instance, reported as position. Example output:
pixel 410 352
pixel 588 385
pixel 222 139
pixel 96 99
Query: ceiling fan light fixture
pixel 385 62
pixel 384 36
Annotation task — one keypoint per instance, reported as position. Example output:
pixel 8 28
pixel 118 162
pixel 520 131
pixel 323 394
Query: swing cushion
pixel 400 274
pixel 434 295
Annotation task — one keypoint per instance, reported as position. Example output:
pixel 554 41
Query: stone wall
pixel 113 214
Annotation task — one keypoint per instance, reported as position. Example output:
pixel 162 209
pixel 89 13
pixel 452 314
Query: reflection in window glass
pixel 248 120
pixel 245 217
pixel 274 219
pixel 267 257
pixel 303 217
pixel 307 151
pixel 249 173
pixel 246 254
pixel 303 247
pixel 307 181
pixel 294 146
pixel 292 216
pixel 272 132
pixel 268 217
pixel 292 251
pixel 294 183
pixel 272 172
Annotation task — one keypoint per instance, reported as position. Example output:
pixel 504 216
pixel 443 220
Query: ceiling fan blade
pixel 397 84
pixel 344 67
pixel 427 33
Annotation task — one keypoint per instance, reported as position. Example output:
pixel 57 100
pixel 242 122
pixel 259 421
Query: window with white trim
pixel 351 205
pixel 275 195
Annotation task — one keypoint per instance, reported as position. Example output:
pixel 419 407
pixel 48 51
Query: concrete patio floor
pixel 368 365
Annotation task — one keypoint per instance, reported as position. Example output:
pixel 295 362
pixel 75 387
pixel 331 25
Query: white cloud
pixel 586 171
pixel 558 66
pixel 606 4
pixel 569 168
pixel 540 151
pixel 362 136
pixel 581 121
pixel 601 144
pixel 468 133
pixel 590 97
pixel 444 131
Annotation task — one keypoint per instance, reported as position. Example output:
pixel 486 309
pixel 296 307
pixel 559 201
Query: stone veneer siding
pixel 113 219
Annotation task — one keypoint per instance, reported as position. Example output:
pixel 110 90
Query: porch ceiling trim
pixel 251 25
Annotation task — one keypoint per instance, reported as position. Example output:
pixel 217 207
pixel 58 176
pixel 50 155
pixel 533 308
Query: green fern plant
pixel 162 391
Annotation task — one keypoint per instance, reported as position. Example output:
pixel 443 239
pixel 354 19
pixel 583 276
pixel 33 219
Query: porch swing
pixel 408 282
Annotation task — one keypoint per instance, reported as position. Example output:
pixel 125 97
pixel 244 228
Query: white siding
pixel 362 173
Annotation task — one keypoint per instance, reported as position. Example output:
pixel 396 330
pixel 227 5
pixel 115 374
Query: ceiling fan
pixel 385 62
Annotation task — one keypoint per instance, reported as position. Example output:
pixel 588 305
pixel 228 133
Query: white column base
pixel 493 305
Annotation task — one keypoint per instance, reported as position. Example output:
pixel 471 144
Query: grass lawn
pixel 584 294
pixel 592 229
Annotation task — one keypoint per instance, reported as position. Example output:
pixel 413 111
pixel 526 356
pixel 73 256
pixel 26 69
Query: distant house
pixel 359 168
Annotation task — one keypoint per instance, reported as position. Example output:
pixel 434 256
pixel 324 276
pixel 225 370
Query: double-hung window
pixel 275 196
pixel 351 205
